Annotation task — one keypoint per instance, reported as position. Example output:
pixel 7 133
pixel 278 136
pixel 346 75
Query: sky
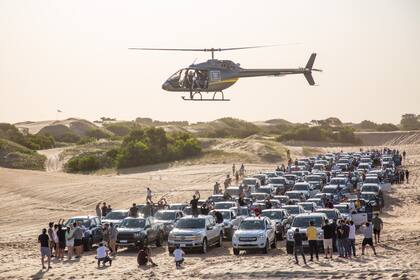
pixel 73 56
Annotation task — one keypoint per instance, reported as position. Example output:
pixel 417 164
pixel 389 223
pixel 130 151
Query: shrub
pixel 89 161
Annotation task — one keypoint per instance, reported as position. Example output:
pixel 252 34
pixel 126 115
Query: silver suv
pixel 301 222
pixel 195 232
pixel 254 233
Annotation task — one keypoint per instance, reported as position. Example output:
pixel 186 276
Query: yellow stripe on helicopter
pixel 234 80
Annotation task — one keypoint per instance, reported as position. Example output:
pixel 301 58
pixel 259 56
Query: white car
pixel 302 223
pixel 254 233
pixel 195 232
pixel 305 188
pixel 115 217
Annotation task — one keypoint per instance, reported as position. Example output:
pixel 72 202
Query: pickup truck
pixel 134 231
pixel 92 230
pixel 302 222
pixel 115 217
pixel 254 233
pixel 195 232
pixel 168 218
pixel 305 188
pixel 359 218
pixel 281 218
pixel 230 221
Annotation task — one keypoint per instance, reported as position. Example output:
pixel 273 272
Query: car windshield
pixel 249 181
pixel 116 215
pixel 133 223
pixel 265 190
pixel 371 180
pixel 277 181
pixel 331 214
pixel 294 195
pixel 342 208
pixel 243 212
pixel 176 207
pixel 275 215
pixel 223 205
pixel 301 187
pixel 226 215
pixel 336 181
pixel 283 199
pixel 290 177
pixel 368 196
pixel 292 209
pixel 252 225
pixel 233 191
pixel 191 223
pixel 307 206
pixel 370 188
pixel 84 222
pixel 303 222
pixel 166 216
pixel 313 178
pixel 328 190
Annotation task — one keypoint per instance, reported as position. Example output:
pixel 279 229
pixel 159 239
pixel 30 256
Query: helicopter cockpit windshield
pixel 189 79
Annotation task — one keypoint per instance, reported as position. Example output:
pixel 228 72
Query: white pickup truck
pixel 358 217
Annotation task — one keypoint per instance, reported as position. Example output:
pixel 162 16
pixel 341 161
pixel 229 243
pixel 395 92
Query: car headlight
pixel 260 235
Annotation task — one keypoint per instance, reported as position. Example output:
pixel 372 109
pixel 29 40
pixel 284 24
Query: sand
pixel 30 199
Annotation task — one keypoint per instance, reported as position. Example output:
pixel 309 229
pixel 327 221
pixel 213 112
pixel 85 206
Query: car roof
pixel 83 217
pixel 196 217
pixel 134 218
pixel 169 211
pixel 325 209
pixel 311 215
pixel 119 210
pixel 273 210
pixel 255 218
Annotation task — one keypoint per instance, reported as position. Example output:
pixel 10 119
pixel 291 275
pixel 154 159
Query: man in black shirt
pixel 44 241
pixel 328 239
pixel 194 204
pixel 268 203
pixel 298 247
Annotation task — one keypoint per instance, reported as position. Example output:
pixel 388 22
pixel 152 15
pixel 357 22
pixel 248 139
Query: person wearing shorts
pixel 44 242
pixel 367 240
pixel 328 239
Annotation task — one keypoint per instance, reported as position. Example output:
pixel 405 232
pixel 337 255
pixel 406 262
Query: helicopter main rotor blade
pixel 211 49
pixel 158 49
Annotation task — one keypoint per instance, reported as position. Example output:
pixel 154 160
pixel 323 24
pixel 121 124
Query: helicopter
pixel 214 75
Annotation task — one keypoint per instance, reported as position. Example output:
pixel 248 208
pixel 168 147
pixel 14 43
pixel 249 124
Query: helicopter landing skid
pixel 205 99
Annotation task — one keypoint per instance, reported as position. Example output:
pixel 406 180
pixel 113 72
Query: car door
pixel 97 234
pixel 150 231
pixel 214 231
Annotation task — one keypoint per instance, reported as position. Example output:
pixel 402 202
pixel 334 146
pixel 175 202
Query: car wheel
pixel 204 246
pixel 159 240
pixel 219 244
pixel 274 244
pixel 235 251
pixel 267 244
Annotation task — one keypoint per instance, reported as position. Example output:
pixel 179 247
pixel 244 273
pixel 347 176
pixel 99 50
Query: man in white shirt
pixel 352 238
pixel 179 257
pixel 102 255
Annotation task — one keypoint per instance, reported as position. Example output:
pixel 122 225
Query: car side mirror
pixel 209 227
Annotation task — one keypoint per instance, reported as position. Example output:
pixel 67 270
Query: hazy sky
pixel 72 55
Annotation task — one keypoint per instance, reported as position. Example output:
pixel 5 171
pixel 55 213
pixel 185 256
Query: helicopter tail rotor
pixel 309 69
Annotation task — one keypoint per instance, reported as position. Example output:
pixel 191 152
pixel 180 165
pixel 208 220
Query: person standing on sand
pixel 352 238
pixel 78 236
pixel 407 175
pixel 149 195
pixel 69 241
pixel 61 233
pixel 113 233
pixel 328 241
pixel 298 247
pixel 378 225
pixel 311 234
pixel 50 237
pixel 367 238
pixel 233 169
pixel 98 211
pixel 44 242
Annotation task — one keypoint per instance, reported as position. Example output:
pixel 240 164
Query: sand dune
pixel 30 199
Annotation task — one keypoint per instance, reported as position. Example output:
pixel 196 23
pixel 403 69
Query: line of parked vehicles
pixel 351 184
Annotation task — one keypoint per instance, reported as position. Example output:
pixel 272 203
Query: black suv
pixel 133 231
pixel 92 230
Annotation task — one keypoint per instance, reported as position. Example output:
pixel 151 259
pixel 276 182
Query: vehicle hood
pixel 249 232
pixel 130 230
pixel 108 221
pixel 165 222
pixel 187 231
